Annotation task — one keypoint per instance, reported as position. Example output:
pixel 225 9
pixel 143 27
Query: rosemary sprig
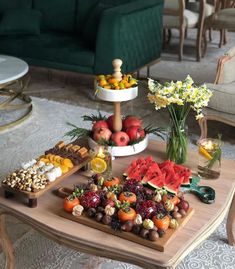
pixel 158 131
pixel 94 118
pixel 78 132
pixel 104 142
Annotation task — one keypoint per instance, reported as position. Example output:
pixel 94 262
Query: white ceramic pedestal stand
pixel 118 96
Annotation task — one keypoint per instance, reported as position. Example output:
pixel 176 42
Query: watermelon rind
pixel 170 190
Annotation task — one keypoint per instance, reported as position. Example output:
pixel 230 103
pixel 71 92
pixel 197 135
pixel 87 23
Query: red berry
pixel 90 199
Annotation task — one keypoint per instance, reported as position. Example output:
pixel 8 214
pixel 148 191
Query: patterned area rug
pixel 33 251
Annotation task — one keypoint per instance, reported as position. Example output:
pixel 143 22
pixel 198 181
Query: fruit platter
pixel 145 206
pixel 39 175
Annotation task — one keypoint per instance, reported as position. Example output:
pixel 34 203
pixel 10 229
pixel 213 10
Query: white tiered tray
pixel 116 95
pixel 123 151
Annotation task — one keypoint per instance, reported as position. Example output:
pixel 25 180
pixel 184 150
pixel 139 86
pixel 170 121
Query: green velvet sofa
pixel 82 35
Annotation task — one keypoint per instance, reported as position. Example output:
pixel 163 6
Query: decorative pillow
pixel 92 24
pixel 20 22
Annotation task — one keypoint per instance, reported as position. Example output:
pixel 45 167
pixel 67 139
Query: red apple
pixel 110 122
pixel 99 124
pixel 120 138
pixel 135 132
pixel 102 133
pixel 130 121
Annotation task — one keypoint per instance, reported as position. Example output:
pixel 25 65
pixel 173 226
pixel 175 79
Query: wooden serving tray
pixel 32 196
pixel 159 245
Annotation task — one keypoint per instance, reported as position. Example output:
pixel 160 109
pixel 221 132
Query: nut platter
pixel 38 176
pixel 146 208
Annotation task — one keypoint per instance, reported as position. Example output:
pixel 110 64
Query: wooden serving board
pixel 159 245
pixel 32 196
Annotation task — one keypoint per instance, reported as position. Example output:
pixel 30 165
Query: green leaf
pixel 77 132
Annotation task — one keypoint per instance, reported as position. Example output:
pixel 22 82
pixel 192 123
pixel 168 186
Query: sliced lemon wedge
pixel 98 165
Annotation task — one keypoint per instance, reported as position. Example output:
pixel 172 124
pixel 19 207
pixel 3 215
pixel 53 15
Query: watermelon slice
pixel 167 174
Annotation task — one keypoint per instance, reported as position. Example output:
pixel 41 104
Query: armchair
pixel 222 103
pixel 176 16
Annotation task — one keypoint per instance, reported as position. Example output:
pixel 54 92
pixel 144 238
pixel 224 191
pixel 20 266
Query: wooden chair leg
pixel 186 33
pixel 181 45
pixel 225 37
pixel 164 39
pixel 199 40
pixel 169 36
pixel 230 223
pixel 204 42
pixel 210 34
pixel 221 38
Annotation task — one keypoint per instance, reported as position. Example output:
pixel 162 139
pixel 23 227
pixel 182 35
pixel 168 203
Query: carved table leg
pixel 6 244
pixel 231 223
pixel 203 126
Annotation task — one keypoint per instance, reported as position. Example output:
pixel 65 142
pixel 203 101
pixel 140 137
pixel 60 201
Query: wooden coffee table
pixel 205 220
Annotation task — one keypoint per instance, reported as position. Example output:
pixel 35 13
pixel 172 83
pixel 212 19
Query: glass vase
pixel 177 142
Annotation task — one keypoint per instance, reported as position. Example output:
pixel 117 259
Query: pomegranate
pixel 135 133
pixel 110 122
pixel 120 138
pixel 102 133
pixel 130 121
pixel 132 185
pixel 99 124
pixel 147 209
pixel 90 199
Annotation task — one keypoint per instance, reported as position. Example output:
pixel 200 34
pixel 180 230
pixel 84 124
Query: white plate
pixel 123 151
pixel 116 95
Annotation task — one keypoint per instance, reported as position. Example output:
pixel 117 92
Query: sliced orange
pixel 205 153
pixel 64 169
pixel 98 165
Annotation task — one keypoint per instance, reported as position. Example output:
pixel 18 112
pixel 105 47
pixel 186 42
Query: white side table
pixel 12 86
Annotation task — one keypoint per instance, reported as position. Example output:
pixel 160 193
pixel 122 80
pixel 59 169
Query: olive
pixel 182 212
pixel 91 212
pixel 153 235
pixel 106 219
pixel 161 232
pixel 176 215
pixel 136 229
pixel 100 209
pixel 99 216
pixel 144 233
pixel 127 226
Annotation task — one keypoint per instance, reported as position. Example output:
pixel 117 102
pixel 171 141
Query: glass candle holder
pixel 101 163
pixel 209 158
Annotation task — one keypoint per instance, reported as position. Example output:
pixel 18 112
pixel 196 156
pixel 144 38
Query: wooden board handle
pixel 64 192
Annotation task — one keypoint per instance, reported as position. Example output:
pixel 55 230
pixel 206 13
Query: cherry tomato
pixel 70 202
pixel 162 223
pixel 127 213
pixel 127 197
pixel 114 181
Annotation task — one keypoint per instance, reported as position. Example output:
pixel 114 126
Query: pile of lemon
pixel 109 82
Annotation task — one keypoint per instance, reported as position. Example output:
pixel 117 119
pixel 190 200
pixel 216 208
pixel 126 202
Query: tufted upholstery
pixel 124 31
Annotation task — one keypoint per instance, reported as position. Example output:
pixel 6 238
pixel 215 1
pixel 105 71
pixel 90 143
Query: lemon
pixel 98 165
pixel 205 153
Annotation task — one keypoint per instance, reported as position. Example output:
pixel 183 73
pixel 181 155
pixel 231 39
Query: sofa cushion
pixel 9 4
pixel 50 46
pixel 20 21
pixel 57 15
pixel 91 26
pixel 223 98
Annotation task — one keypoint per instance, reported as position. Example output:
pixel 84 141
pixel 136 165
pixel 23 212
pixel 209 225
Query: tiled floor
pixel 78 89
